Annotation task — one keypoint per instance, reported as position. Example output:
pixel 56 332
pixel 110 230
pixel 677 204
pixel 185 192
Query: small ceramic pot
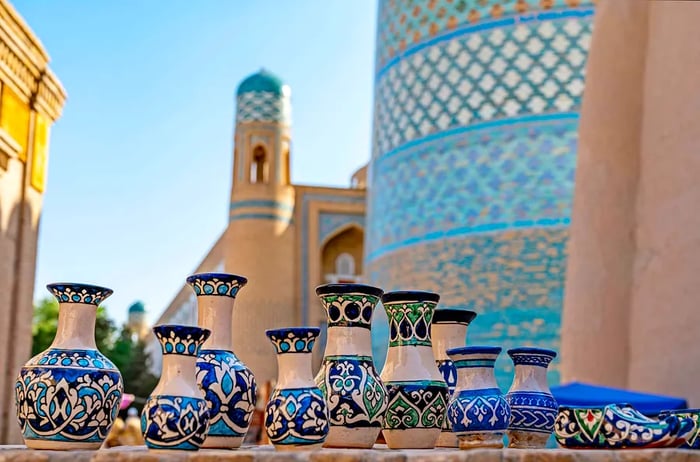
pixel 296 416
pixel 478 412
pixel 532 406
pixel 692 441
pixel 417 391
pixel 449 331
pixel 176 415
pixel 355 395
pixel 68 396
pixel 229 386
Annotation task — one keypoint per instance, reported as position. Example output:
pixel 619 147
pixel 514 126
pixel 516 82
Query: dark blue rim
pixel 471 350
pixel 453 315
pixel 79 287
pixel 410 296
pixel 327 289
pixel 182 330
pixel 224 277
pixel 532 350
pixel 297 331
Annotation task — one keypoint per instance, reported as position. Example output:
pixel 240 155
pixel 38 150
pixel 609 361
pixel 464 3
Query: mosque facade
pixel 468 189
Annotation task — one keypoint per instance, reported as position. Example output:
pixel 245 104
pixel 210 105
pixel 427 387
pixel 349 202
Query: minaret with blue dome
pixel 136 320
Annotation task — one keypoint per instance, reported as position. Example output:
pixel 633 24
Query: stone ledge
pixel 379 454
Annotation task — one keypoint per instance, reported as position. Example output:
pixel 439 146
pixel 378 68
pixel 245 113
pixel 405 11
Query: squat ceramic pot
pixel 229 386
pixel 354 393
pixel 449 330
pixel 68 396
pixel 417 391
pixel 533 409
pixel 296 416
pixel 478 412
pixel 176 415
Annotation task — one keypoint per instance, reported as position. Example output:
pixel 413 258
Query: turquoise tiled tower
pixel 472 171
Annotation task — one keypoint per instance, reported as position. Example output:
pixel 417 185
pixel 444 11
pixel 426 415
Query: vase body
pixel 176 415
pixel 449 330
pixel 229 386
pixel 68 396
pixel 533 409
pixel 417 390
pixel 296 416
pixel 354 393
pixel 478 412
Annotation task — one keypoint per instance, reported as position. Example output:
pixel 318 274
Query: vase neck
pixel 409 363
pixel 475 378
pixel 215 313
pixel 294 370
pixel 76 327
pixel 530 378
pixel 348 341
pixel 446 336
pixel 177 376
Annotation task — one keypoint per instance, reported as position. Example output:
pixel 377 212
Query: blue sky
pixel 139 168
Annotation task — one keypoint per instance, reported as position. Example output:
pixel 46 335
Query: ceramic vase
pixel 417 390
pixel 296 416
pixel 478 412
pixel 449 331
pixel 354 393
pixel 68 396
pixel 229 386
pixel 176 415
pixel 533 409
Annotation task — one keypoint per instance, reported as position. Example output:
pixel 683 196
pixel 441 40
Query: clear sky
pixel 140 161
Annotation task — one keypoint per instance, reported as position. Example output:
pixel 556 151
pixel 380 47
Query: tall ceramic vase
pixel 449 331
pixel 176 416
pixel 417 390
pixel 296 416
pixel 229 386
pixel 68 396
pixel 478 411
pixel 355 395
pixel 533 408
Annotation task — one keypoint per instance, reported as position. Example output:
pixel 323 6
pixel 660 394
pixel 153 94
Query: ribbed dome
pixel 262 81
pixel 137 307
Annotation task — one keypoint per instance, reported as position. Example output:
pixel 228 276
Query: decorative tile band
pixel 263 107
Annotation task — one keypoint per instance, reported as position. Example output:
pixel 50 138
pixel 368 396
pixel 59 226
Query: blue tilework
pixel 515 176
pixel 405 24
pixel 331 222
pixel 507 72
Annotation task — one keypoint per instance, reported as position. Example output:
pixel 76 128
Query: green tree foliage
pixel 126 351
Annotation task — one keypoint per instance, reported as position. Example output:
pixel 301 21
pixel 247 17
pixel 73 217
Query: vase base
pixel 412 438
pixel 356 438
pixel 447 440
pixel 222 442
pixel 297 447
pixel 520 439
pixel 481 440
pixel 60 445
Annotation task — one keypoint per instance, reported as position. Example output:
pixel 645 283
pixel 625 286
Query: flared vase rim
pixel 453 316
pixel 314 331
pixel 349 288
pixel 185 329
pixel 474 350
pixel 410 296
pixel 224 277
pixel 532 350
pixel 93 289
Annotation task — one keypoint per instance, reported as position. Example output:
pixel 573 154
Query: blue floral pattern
pixel 479 411
pixel 230 392
pixel 175 422
pixel 416 404
pixel 296 417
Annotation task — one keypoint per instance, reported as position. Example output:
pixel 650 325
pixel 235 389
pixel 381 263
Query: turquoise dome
pixel 262 81
pixel 137 307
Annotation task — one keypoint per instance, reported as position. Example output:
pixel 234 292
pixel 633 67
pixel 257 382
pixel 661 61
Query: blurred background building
pixel 31 99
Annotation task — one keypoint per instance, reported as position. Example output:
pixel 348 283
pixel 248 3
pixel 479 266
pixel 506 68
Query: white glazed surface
pixel 348 341
pixel 410 362
pixel 76 327
pixel 530 378
pixel 447 336
pixel 214 312
pixel 294 371
pixel 178 377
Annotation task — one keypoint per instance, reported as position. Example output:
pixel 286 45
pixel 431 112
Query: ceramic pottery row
pixel 68 396
pixel 176 416
pixel 296 416
pixel 619 426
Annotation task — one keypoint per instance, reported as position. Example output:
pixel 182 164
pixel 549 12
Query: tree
pixel 45 323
